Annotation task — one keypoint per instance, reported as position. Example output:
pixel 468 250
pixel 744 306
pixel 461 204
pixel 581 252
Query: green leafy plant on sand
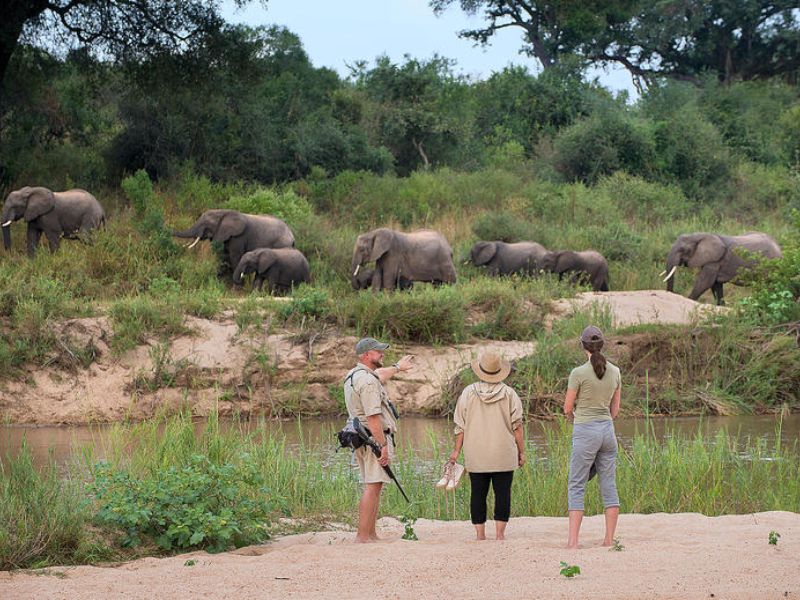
pixel 569 571
pixel 201 504
pixel 774 536
pixel 408 521
pixel 617 546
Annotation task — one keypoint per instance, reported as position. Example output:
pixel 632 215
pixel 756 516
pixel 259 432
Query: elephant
pixel 586 264
pixel 501 258
pixel 56 214
pixel 239 233
pixel 422 255
pixel 716 257
pixel 281 267
pixel 364 280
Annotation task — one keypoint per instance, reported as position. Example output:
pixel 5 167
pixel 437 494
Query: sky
pixel 337 33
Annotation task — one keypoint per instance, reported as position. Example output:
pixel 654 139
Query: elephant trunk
pixel 672 266
pixel 186 233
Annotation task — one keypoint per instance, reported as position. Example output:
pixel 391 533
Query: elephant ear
pixel 709 249
pixel 485 253
pixel 40 201
pixel 381 243
pixel 265 261
pixel 230 225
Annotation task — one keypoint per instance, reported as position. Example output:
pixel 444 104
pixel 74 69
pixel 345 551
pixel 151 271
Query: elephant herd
pixel 264 245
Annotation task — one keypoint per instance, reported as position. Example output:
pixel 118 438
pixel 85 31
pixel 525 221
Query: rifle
pixel 365 436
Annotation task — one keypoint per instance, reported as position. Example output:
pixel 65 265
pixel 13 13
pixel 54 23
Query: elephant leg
pixel 716 289
pixel 705 279
pixel 273 280
pixel 53 239
pixel 377 280
pixel 34 235
pixel 389 279
pixel 258 282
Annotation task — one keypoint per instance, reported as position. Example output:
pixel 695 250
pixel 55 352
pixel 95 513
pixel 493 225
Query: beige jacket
pixel 488 414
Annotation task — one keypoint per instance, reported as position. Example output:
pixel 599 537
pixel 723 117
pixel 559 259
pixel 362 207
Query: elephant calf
pixel 56 214
pixel 717 258
pixel 501 258
pixel 363 280
pixel 281 267
pixel 588 264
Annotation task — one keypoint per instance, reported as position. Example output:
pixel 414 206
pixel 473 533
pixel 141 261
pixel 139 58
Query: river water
pixel 421 434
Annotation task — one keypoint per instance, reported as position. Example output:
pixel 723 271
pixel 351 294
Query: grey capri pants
pixel 593 442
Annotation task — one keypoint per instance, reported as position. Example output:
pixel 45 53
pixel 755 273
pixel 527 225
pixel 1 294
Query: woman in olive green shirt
pixel 592 402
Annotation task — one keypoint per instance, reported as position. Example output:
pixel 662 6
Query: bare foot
pixel 572 546
pixel 607 544
pixel 360 540
pixel 481 538
pixel 500 538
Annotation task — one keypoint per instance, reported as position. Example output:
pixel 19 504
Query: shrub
pixel 647 201
pixel 501 225
pixel 306 302
pixel 284 204
pixel 134 319
pixel 201 504
pixel 603 144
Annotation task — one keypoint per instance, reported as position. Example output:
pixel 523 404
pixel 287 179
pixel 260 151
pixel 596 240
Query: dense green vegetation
pixel 164 486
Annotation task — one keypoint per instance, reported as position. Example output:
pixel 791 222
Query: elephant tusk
pixel 671 273
pixel 356 271
pixel 194 243
pixel 7 223
pixel 662 273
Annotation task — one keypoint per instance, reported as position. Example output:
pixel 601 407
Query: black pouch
pixel 349 438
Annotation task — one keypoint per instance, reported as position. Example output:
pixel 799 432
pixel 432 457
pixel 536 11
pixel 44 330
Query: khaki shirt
pixel 487 414
pixel 365 396
pixel 593 401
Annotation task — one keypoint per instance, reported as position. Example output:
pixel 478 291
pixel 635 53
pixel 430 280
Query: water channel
pixel 419 433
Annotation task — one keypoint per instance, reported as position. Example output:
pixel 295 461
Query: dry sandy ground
pixel 664 556
pixel 262 371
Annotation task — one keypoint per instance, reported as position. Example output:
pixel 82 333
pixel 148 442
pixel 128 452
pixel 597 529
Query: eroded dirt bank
pixel 259 372
pixel 672 556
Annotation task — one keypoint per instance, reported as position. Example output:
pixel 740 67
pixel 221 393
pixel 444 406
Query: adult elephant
pixel 238 233
pixel 422 255
pixel 717 258
pixel 501 258
pixel 588 264
pixel 281 267
pixel 56 214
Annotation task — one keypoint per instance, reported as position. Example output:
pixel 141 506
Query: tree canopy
pixel 120 28
pixel 681 39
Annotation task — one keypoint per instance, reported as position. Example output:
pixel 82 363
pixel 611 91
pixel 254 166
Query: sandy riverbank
pixel 665 556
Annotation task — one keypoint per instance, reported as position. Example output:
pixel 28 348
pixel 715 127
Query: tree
pixel 122 28
pixel 680 39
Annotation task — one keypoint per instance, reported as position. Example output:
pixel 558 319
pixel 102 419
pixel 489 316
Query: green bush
pixel 649 202
pixel 284 204
pixel 602 144
pixel 306 302
pixel 501 225
pixel 200 505
pixel 135 319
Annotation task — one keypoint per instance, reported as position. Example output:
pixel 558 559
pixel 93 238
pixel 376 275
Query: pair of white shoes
pixel 451 476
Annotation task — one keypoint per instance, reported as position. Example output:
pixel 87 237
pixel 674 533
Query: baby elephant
pixel 281 267
pixel 363 281
pixel 587 265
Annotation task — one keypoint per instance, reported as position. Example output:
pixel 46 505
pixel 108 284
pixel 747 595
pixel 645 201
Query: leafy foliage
pixel 202 504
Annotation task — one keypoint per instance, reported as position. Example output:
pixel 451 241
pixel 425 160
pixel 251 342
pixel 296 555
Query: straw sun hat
pixel 490 367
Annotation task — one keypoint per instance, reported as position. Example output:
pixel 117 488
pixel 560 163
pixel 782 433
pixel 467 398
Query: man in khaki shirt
pixel 366 398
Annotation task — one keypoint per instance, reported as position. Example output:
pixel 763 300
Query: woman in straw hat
pixel 592 402
pixel 488 426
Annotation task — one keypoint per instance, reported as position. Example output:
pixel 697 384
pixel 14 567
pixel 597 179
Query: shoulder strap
pixel 351 375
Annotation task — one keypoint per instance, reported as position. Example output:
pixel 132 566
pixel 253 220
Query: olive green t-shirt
pixel 594 395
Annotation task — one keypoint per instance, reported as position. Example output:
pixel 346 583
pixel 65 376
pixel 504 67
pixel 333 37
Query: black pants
pixel 501 483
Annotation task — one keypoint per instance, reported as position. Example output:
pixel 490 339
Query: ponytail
pixel 597 359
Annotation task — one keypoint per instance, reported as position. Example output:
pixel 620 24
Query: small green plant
pixel 774 536
pixel 306 302
pixel 408 527
pixel 569 571
pixel 617 546
pixel 190 563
